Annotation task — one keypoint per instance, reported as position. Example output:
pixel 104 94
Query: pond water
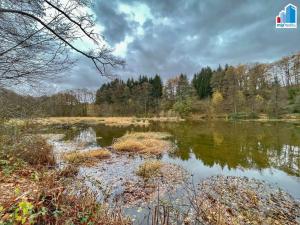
pixel 268 151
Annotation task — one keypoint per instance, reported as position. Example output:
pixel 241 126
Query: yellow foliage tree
pixel 217 98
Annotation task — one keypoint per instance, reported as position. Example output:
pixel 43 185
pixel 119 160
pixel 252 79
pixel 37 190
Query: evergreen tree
pixel 202 82
pixel 157 86
pixel 183 89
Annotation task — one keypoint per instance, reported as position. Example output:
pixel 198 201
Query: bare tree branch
pixel 36 37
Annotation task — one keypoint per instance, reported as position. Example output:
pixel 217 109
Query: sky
pixel 169 37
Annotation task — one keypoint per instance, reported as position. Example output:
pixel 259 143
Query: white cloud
pixel 121 47
pixel 137 12
pixel 191 37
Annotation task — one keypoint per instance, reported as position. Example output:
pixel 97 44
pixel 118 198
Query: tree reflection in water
pixel 248 145
pixel 244 145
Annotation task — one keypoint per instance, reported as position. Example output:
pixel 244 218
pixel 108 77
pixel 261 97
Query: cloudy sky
pixel 169 37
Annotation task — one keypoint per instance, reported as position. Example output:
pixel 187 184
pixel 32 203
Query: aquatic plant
pixel 149 169
pixel 79 157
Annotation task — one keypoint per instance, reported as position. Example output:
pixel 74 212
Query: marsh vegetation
pixel 161 172
pixel 143 142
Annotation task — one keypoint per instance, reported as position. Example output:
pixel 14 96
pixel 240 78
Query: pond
pixel 268 151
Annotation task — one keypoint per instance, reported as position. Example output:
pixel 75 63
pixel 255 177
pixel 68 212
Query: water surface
pixel 268 151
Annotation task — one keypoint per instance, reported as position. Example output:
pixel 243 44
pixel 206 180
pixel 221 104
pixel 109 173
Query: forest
pixel 271 89
pixel 237 91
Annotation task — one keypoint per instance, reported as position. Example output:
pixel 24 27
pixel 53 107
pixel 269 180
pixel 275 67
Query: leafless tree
pixel 37 37
pixel 296 68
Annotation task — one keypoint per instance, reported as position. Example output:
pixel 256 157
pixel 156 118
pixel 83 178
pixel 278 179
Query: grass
pixel 32 192
pixel 69 171
pixel 46 200
pixel 149 169
pixel 109 121
pixel 147 135
pixel 143 142
pixel 80 157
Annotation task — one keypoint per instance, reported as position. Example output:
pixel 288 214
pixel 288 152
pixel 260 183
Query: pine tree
pixel 202 83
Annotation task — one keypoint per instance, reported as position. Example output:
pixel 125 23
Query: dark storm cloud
pixel 116 27
pixel 182 36
pixel 83 75
pixel 203 33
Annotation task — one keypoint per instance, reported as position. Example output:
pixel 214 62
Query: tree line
pixel 250 89
pixel 40 50
pixel 67 103
pixel 133 97
pixel 242 90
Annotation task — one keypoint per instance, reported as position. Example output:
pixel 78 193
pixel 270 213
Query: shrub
pixel 149 169
pixel 253 115
pixel 237 116
pixel 183 107
pixel 69 171
pixel 32 149
pixel 296 106
pixel 242 115
pixel 51 203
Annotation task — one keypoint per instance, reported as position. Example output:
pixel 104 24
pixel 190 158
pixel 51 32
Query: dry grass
pixel 46 200
pixel 36 151
pixel 69 171
pixel 143 142
pixel 167 119
pixel 78 157
pixel 32 149
pixel 149 169
pixel 32 193
pixel 109 121
pixel 147 135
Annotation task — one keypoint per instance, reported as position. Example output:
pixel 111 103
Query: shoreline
pixel 126 121
pixel 108 121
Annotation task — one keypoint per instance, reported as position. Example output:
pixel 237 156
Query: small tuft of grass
pixel 78 157
pixel 69 171
pixel 149 169
pixel 143 142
